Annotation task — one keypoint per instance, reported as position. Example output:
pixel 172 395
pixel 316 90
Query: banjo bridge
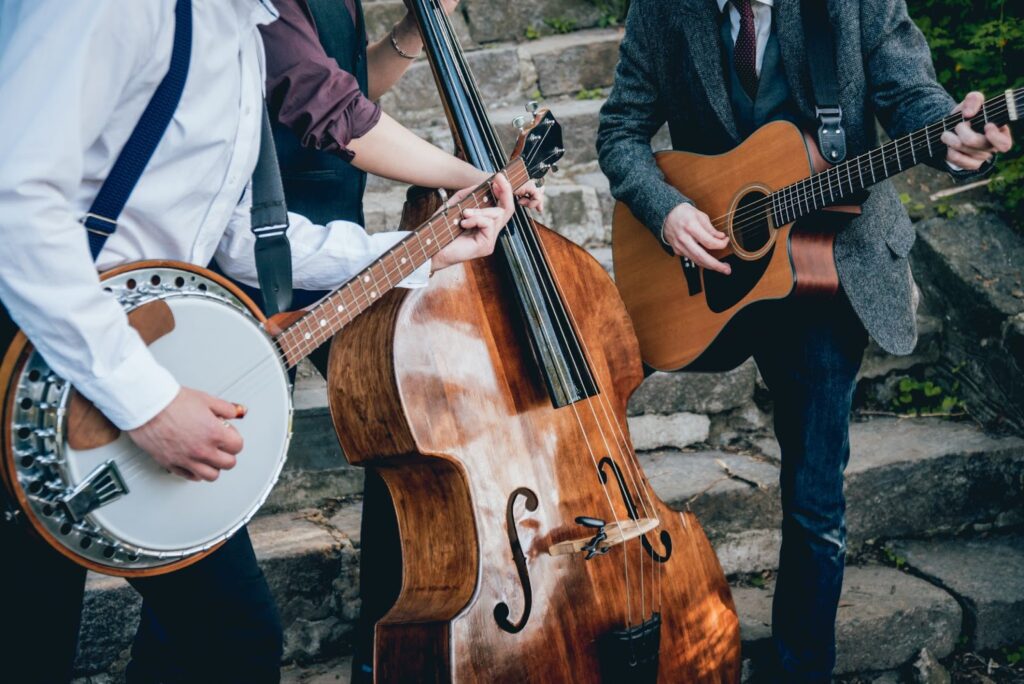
pixel 101 487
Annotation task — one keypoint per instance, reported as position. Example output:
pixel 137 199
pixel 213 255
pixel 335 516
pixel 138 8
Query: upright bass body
pixel 437 389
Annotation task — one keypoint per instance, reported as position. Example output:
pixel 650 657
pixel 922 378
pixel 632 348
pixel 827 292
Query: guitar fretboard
pixel 852 176
pixel 337 309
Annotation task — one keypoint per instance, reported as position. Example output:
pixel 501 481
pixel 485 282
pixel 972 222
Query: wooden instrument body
pixel 676 327
pixel 451 411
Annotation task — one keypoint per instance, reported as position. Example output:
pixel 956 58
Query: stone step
pixel 985 575
pixel 885 618
pixel 311 564
pixel 906 477
pixel 508 74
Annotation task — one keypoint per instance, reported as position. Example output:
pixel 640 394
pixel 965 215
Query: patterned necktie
pixel 745 51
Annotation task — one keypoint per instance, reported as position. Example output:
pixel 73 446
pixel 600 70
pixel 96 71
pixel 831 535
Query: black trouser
pixel 214 621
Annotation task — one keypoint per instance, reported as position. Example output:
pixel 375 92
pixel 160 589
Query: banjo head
pixel 147 517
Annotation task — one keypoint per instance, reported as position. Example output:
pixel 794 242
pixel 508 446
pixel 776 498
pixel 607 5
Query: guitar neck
pixel 319 323
pixel 844 180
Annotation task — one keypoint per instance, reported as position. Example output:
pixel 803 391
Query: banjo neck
pixel 298 334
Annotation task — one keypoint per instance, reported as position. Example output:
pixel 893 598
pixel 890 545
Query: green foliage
pixel 1014 655
pixel 894 559
pixel 590 94
pixel 925 397
pixel 613 12
pixel 979 45
pixel 531 33
pixel 561 24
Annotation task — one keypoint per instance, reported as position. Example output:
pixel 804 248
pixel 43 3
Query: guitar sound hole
pixel 751 226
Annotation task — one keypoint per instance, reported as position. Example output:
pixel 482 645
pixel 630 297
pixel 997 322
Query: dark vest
pixel 773 100
pixel 320 185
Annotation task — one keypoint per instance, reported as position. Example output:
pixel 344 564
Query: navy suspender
pixel 101 220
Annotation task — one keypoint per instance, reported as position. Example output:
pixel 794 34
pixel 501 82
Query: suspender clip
pixel 99 225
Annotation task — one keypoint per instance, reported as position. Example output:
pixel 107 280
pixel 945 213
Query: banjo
pixel 96 497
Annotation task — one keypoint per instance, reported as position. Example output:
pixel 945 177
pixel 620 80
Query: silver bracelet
pixel 394 43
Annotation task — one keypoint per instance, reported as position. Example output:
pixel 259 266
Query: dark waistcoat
pixel 320 185
pixel 772 101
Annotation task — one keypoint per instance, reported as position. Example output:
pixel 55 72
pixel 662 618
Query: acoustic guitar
pixel 686 316
pixel 93 495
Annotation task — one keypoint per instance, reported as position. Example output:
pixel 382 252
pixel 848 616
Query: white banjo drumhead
pixel 219 350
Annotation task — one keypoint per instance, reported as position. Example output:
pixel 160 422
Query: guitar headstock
pixel 540 144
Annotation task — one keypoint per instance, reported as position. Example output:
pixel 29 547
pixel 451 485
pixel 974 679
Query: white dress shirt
pixel 75 76
pixel 762 10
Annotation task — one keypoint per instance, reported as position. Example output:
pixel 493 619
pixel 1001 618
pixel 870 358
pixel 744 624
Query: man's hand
pixel 688 231
pixel 191 437
pixel 969 149
pixel 481 225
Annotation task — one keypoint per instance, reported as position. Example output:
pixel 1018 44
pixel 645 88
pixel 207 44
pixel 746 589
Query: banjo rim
pixel 14 360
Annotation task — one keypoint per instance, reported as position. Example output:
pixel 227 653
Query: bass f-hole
pixel 501 610
pixel 627 499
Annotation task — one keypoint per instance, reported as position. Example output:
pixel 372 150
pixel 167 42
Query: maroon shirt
pixel 318 100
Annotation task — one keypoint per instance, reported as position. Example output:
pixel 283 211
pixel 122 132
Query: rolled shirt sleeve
pixel 307 90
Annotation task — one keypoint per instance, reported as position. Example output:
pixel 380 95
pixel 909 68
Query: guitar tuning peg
pixel 532 106
pixel 519 122
pixel 554 168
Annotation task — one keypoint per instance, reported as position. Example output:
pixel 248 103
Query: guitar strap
pixel 819 38
pixel 270 226
pixel 101 220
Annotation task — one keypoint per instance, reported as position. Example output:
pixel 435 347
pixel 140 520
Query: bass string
pixel 624 454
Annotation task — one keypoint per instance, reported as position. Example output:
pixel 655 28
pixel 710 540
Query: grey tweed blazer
pixel 670 70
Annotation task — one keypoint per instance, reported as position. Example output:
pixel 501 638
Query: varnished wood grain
pixel 676 329
pixel 437 389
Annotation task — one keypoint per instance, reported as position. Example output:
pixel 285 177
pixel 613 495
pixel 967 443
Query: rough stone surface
pixel 494 20
pixel 310 564
pixel 381 15
pixel 575 61
pixel 986 575
pixel 928 670
pixel 978 286
pixel 695 392
pixel 574 212
pixel 885 618
pixel 678 431
pixel 906 477
pixel 337 671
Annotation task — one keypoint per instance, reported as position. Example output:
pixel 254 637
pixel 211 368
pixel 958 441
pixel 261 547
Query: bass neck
pixel 299 333
pixel 847 179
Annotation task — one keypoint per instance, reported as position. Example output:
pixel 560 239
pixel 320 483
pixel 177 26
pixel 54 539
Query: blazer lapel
pixel 790 32
pixel 699 23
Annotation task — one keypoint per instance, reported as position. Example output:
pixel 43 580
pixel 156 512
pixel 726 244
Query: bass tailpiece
pixel 631 655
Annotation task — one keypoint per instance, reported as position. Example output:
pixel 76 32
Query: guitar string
pixel 994 107
pixel 801 193
pixel 625 454
pixel 460 73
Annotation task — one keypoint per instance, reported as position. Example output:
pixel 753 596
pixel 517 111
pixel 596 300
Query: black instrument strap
pixel 819 40
pixel 270 226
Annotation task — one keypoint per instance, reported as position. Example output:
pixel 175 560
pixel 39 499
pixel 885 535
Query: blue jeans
pixel 810 362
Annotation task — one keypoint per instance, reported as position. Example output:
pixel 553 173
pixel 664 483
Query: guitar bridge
pixel 101 487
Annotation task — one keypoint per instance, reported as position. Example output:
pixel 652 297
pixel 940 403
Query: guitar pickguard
pixel 725 291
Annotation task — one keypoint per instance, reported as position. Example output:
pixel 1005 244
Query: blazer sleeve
pixel 905 92
pixel 629 119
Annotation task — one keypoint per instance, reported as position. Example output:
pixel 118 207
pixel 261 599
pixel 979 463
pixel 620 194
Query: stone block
pixel 885 618
pixel 380 16
pixel 986 575
pixel 696 392
pixel 575 61
pixel 573 211
pixel 494 20
pixel 677 431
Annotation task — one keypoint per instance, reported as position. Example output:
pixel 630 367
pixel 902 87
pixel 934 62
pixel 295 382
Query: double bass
pixel 493 405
